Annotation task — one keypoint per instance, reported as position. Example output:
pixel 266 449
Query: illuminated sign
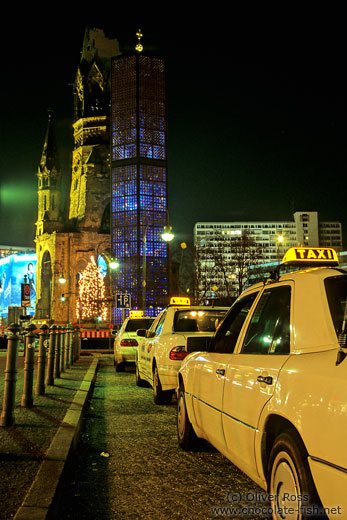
pixel 13 269
pixel 179 300
pixel 135 314
pixel 311 255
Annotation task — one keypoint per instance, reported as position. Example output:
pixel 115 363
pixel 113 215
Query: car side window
pixel 151 331
pixel 269 329
pixel 230 328
pixel 160 324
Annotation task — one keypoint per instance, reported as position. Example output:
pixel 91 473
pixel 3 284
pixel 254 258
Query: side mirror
pixel 141 332
pixel 198 344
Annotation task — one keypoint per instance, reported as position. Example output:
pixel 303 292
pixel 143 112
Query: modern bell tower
pixel 139 178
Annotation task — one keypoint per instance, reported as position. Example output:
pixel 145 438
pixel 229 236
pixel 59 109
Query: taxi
pixel 177 330
pixel 126 340
pixel 270 392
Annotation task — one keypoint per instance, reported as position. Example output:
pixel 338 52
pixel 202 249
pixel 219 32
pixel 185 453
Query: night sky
pixel 256 131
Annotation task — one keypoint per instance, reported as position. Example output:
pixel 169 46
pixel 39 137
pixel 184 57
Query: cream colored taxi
pixel 178 329
pixel 126 340
pixel 271 391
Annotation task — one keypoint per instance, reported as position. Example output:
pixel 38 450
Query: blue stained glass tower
pixel 139 181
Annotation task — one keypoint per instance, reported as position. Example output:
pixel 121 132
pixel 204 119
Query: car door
pixel 210 368
pixel 143 349
pixel 252 373
pixel 150 346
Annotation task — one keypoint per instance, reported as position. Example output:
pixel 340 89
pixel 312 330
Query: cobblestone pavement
pixel 128 464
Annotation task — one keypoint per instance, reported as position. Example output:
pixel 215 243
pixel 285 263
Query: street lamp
pixel 280 239
pixel 167 234
pixel 113 264
pixel 62 279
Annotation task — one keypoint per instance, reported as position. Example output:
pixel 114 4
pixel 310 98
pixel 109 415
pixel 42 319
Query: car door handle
pixel 265 379
pixel 220 371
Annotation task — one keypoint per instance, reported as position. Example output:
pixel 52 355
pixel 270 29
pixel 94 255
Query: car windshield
pixel 200 320
pixel 336 289
pixel 138 323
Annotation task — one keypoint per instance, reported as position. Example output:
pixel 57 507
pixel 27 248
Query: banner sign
pixel 25 295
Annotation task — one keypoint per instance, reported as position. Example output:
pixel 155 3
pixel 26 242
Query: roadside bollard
pixel 41 365
pixel 67 347
pixel 27 397
pixel 71 353
pixel 62 349
pixel 7 415
pixel 77 343
pixel 57 354
pixel 51 356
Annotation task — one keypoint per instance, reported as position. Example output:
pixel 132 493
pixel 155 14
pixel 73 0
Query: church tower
pixel 66 242
pixel 90 182
pixel 49 177
pixel 49 220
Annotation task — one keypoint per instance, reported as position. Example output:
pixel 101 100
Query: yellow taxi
pixel 126 341
pixel 176 331
pixel 270 392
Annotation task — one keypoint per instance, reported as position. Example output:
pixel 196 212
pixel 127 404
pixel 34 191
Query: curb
pixel 40 496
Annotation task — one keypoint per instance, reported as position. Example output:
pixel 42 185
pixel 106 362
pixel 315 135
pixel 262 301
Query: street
pixel 128 464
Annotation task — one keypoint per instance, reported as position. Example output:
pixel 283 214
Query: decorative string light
pixel 139 46
pixel 91 293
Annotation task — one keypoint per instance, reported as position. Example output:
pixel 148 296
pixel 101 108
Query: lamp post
pixel 61 277
pixel 167 235
pixel 144 269
pixel 183 246
pixel 280 239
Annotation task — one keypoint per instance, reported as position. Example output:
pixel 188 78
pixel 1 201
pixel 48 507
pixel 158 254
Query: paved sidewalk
pixel 33 451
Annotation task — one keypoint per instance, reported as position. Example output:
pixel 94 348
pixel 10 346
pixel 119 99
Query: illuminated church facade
pixel 117 190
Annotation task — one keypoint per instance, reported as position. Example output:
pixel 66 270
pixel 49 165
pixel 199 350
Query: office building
pixel 225 250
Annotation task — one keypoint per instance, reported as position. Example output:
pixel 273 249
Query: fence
pixel 58 349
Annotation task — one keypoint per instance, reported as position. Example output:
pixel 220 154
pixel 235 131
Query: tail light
pixel 178 353
pixel 128 343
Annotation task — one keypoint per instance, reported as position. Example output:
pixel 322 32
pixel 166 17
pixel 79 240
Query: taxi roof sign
pixel 135 314
pixel 311 256
pixel 179 300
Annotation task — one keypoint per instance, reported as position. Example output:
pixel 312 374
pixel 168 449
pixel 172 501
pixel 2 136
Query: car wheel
pixel 160 396
pixel 290 484
pixel 187 438
pixel 138 380
pixel 119 367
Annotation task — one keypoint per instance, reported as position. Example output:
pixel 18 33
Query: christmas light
pixel 91 291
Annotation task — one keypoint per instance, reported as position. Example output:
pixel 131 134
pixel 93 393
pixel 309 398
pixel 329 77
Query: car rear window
pixel 138 323
pixel 198 320
pixel 336 289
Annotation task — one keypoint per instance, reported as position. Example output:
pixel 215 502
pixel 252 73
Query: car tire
pixel 159 395
pixel 138 380
pixel 119 367
pixel 289 474
pixel 187 438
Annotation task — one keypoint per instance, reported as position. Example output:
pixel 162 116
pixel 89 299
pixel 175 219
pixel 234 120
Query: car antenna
pixel 342 339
